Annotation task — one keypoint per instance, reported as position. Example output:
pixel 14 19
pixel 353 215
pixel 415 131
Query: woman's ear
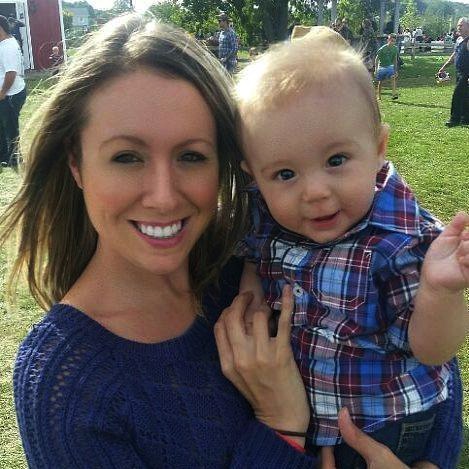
pixel 382 144
pixel 245 167
pixel 75 169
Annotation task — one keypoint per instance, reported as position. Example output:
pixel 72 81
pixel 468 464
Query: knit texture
pixel 86 398
pixel 446 439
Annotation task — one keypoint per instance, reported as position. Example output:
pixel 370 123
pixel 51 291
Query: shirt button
pixel 297 290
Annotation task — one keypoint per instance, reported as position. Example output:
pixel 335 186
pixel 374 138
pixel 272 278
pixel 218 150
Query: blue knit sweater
pixel 86 398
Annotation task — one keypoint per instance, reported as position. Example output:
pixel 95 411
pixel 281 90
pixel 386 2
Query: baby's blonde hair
pixel 286 70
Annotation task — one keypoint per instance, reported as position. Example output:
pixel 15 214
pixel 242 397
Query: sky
pixel 140 5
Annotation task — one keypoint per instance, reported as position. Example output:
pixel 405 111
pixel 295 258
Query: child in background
pixel 386 65
pixel 373 325
pixel 55 60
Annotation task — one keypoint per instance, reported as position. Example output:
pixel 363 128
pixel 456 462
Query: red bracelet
pixel 292 443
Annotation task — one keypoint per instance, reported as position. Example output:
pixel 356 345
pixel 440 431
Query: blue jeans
pixel 10 108
pixel 406 438
pixel 384 73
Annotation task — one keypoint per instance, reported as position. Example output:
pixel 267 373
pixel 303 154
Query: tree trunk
pixel 396 16
pixel 320 12
pixel 275 20
pixel 382 14
pixel 334 10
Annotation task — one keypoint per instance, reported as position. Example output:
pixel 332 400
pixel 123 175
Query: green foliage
pixel 410 19
pixel 353 11
pixel 67 20
pixel 305 13
pixel 168 12
pixel 121 6
pixel 434 25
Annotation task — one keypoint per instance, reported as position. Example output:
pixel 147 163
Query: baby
pixel 373 325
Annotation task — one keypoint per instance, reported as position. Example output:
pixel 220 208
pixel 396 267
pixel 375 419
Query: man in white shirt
pixel 12 94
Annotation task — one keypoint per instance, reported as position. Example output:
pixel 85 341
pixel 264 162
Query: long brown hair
pixel 56 237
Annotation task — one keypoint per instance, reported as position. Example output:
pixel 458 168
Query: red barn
pixel 43 28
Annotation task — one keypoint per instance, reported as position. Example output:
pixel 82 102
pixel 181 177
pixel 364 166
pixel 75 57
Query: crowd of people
pixel 230 279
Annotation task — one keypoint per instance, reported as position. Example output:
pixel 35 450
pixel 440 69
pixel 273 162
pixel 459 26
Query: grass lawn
pixel 432 158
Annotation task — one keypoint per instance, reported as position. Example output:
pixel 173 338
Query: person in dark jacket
pixel 460 57
pixel 15 26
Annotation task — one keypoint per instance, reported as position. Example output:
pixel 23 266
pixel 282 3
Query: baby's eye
pixel 284 174
pixel 126 158
pixel 192 157
pixel 336 160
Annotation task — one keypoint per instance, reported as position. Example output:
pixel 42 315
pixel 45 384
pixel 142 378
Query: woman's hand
pixel 376 455
pixel 262 367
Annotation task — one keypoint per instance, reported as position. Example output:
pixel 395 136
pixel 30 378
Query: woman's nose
pixel 160 187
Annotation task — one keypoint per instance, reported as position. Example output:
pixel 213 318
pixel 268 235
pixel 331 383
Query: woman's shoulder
pixel 58 332
pixel 64 342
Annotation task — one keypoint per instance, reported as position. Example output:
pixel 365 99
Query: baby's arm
pixel 440 319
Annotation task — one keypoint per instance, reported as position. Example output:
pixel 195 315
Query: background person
pixel 460 57
pixel 227 44
pixel 55 60
pixel 15 26
pixel 386 65
pixel 12 93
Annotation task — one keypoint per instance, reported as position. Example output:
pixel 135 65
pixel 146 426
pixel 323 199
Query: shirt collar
pixel 394 207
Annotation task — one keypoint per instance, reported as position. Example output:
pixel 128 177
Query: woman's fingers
pixel 376 455
pixel 234 319
pixel 284 320
pixel 327 460
pixel 260 326
pixel 227 358
pixel 225 351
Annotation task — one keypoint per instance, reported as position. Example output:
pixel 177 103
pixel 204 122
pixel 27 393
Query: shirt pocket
pixel 341 278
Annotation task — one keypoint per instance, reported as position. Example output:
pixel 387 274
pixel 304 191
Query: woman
pixel 128 212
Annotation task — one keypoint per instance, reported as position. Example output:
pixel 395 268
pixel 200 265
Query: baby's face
pixel 315 160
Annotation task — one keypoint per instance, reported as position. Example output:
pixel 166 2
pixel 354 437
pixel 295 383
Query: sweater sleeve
pixel 446 439
pixel 260 448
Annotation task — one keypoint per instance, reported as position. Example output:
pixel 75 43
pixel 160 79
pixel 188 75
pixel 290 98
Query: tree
pixel 67 20
pixel 410 19
pixel 122 6
pixel 168 12
pixel 274 19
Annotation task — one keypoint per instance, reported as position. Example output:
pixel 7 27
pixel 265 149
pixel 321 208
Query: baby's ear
pixel 245 167
pixel 382 144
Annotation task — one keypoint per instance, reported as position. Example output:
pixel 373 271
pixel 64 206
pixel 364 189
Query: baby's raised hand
pixel 446 264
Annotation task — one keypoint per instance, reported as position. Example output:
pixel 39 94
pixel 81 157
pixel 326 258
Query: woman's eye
pixel 126 158
pixel 285 174
pixel 336 160
pixel 192 157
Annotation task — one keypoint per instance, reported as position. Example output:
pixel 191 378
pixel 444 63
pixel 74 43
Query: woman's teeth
pixel 160 231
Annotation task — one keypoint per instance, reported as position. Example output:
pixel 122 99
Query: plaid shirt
pixel 228 47
pixel 353 301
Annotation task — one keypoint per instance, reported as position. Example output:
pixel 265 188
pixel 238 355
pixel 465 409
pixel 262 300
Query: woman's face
pixel 149 170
